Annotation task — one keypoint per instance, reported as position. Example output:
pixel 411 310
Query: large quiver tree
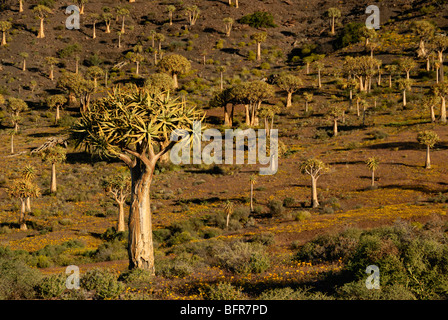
pixel 133 125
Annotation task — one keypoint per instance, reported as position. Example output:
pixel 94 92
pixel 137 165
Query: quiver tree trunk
pixel 22 221
pixel 41 33
pixel 428 159
pixel 28 204
pixel 12 143
pixel 120 222
pixel 373 178
pixel 53 187
pixel 140 248
pixel 335 127
pixel 314 200
pixel 443 110
pixel 258 51
pixel 289 100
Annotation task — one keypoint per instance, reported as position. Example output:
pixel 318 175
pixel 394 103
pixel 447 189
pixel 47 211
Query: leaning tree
pixel 175 65
pixel 406 64
pixel 429 139
pixel 132 124
pixel 118 184
pixel 314 168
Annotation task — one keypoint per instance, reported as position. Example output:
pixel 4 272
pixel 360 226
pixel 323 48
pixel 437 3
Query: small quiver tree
pixel 429 139
pixel 314 168
pixel 373 164
pixel 53 156
pixel 118 184
pixel 22 189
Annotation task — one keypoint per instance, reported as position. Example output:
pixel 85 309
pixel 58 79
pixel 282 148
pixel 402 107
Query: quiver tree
pixel 335 112
pixel 319 67
pixel 94 73
pixel 15 107
pixel 24 56
pixel 28 173
pixel 373 164
pixel 441 90
pixel 406 64
pixel 159 83
pixel 268 112
pixel 224 99
pixel 430 101
pixel 118 185
pixel 41 12
pixel 424 30
pixel 21 5
pixel 429 139
pixel 123 13
pixel 107 18
pixel 259 37
pixel 51 62
pixel 159 37
pixel 221 70
pixel 289 83
pixel 136 58
pixel 175 65
pixel 252 94
pixel 4 27
pixel 77 86
pixel 253 181
pixel 440 44
pixel 22 189
pixel 308 97
pixel 314 168
pixel 193 14
pixel 94 18
pixel 53 156
pixel 56 102
pixel 404 85
pixel 368 34
pixel 228 22
pixel 170 9
pixel 128 124
pixel 392 70
pixel 228 210
pixel 333 13
pixel 81 4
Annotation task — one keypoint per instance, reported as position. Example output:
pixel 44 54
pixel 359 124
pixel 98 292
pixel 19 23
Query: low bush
pixel 52 286
pixel 17 280
pixel 222 291
pixel 103 283
pixel 243 257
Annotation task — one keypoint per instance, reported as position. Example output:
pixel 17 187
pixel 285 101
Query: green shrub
pixel 103 282
pixel 17 280
pixel 52 286
pixel 136 277
pixel 223 291
pixel 281 294
pixel 110 251
pixel 276 208
pixel 259 19
pixel 181 266
pixel 352 33
pixel 243 257
pixel 288 202
pixel 265 239
pixel 302 215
